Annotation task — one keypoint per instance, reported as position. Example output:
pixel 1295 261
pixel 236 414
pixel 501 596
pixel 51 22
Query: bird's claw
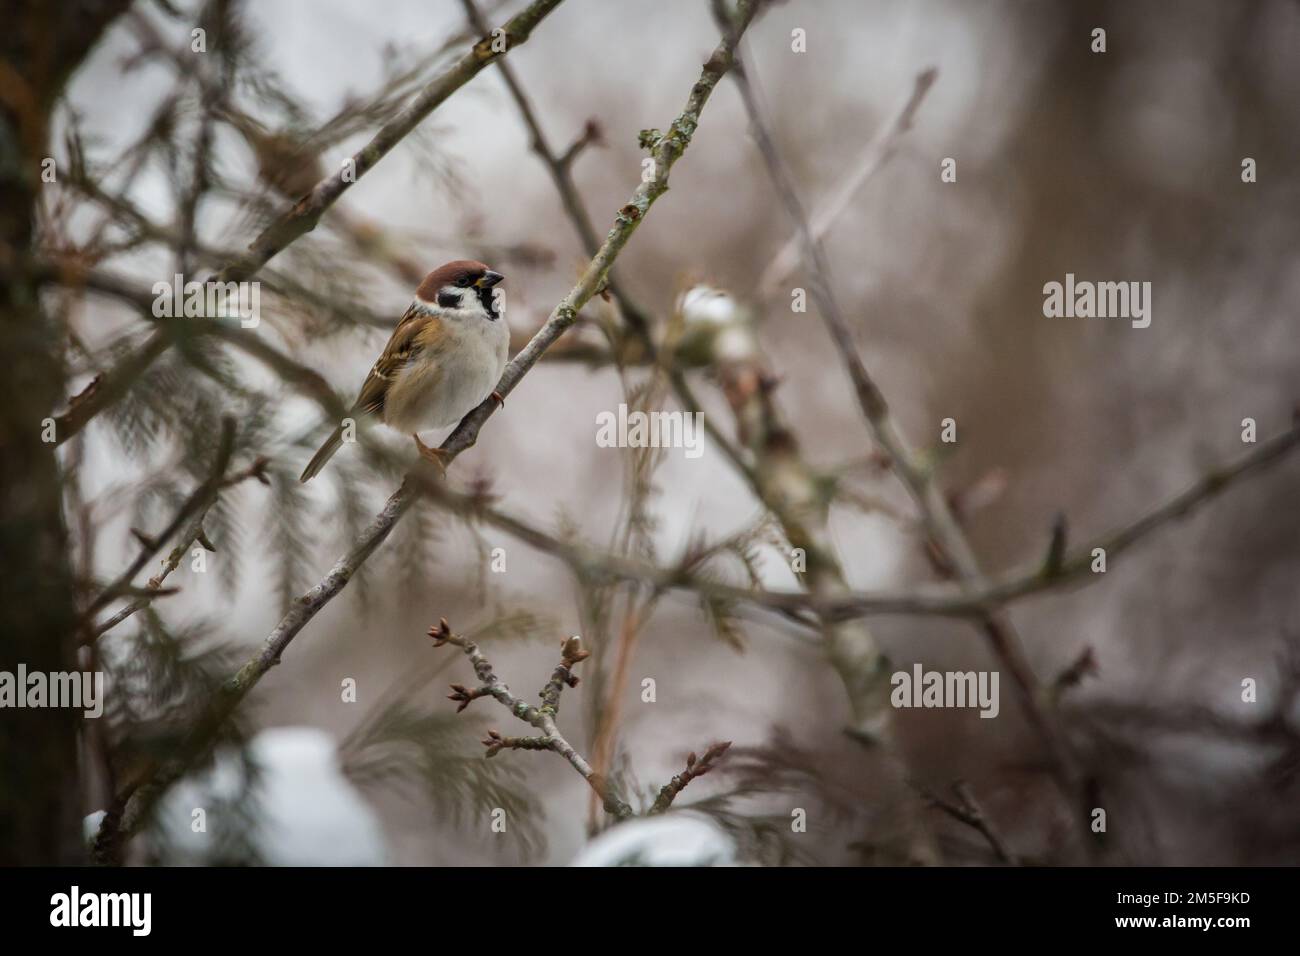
pixel 435 455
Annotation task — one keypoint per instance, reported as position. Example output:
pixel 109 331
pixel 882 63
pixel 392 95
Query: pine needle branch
pixel 201 498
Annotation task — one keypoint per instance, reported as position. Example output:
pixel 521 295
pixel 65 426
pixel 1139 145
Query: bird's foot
pixel 435 455
pixel 496 396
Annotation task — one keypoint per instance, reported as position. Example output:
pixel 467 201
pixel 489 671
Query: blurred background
pixel 1122 166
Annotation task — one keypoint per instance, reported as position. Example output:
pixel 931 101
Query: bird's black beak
pixel 489 279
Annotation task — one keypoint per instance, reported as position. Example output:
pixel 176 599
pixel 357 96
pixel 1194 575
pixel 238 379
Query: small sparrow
pixel 444 358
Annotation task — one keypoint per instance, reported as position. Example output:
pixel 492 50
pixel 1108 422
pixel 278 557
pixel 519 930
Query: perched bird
pixel 444 358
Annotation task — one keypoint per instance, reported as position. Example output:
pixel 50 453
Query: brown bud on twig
pixel 572 651
pixel 441 633
pixel 465 696
pixel 706 763
pixel 696 766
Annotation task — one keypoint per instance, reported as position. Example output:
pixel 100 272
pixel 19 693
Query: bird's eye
pixel 462 281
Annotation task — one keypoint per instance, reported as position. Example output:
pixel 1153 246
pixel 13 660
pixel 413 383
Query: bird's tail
pixel 325 453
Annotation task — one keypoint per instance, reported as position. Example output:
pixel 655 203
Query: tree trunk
pixel 40 45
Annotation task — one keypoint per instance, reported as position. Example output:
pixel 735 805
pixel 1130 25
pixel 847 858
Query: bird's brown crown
pixel 450 274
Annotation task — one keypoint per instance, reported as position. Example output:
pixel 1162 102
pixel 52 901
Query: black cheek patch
pixel 448 300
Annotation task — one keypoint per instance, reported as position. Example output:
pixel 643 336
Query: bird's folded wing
pixel 406 342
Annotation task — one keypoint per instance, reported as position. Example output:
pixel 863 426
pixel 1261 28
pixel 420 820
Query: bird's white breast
pixel 438 387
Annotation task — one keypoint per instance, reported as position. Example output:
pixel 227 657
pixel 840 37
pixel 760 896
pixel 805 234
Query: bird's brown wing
pixel 415 331
pixel 404 343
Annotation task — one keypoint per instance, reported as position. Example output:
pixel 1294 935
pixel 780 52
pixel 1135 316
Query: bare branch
pixel 302 217
pixel 695 767
pixel 873 157
pixel 981 595
pixel 572 653
pixel 543 718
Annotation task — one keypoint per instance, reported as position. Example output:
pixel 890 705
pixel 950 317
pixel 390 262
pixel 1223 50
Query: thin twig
pixel 542 718
pixel 194 533
pixel 303 216
pixel 873 157
pixel 199 500
pixel 695 767
pixel 967 810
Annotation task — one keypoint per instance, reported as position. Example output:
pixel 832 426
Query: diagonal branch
pixel 636 318
pixel 695 767
pixel 873 157
pixel 302 217
pixel 154 587
pixel 622 347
